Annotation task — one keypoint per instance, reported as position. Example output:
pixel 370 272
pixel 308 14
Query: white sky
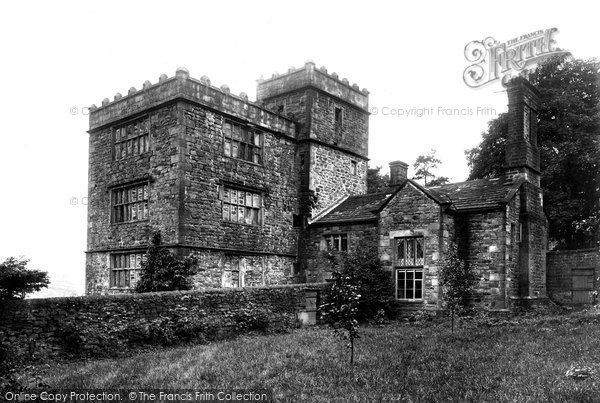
pixel 62 55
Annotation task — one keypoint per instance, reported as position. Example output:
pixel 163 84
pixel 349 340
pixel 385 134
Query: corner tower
pixel 333 135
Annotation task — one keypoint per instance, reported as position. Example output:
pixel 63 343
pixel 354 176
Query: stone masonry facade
pixel 259 190
pixel 498 224
pixel 231 181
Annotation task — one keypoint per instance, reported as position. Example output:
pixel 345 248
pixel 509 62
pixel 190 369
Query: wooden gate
pixel 583 284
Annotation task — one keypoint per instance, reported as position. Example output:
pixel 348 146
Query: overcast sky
pixel 60 57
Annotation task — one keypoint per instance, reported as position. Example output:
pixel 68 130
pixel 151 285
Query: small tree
pixel 16 280
pixel 457 280
pixel 341 312
pixel 163 271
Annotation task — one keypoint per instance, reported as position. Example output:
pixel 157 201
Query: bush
pixel 363 267
pixel 252 318
pixel 8 377
pixel 163 271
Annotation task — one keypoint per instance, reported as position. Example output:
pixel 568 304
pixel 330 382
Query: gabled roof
pixel 477 194
pixel 355 208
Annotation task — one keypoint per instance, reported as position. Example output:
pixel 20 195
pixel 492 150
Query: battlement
pixel 310 76
pixel 183 87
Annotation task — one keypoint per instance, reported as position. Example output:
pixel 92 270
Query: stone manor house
pixel 257 190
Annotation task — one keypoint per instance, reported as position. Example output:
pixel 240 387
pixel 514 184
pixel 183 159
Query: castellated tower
pixel 522 162
pixel 215 173
pixel 228 180
pixel 333 134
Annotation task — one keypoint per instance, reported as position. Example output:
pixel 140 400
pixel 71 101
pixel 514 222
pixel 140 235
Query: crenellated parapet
pixel 185 88
pixel 311 76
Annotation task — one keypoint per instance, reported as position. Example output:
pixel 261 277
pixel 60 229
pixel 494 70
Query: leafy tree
pixel 341 312
pixel 16 280
pixel 486 160
pixel 376 182
pixel 424 167
pixel 363 266
pixel 163 271
pixel 569 142
pixel 457 281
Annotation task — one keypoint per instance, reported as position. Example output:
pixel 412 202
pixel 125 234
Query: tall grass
pixel 524 362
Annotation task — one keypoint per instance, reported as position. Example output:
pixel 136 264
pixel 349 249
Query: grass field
pixel 522 361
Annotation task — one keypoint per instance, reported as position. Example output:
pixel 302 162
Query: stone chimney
pixel 398 172
pixel 522 157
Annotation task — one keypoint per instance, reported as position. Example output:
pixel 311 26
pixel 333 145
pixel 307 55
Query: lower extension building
pixel 257 190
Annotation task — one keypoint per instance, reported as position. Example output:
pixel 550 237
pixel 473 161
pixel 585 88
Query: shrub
pixel 8 378
pixel 163 271
pixel 252 318
pixel 363 266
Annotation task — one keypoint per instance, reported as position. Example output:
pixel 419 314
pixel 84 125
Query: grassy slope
pixel 400 362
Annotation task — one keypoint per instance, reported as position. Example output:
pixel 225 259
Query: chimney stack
pixel 398 172
pixel 522 157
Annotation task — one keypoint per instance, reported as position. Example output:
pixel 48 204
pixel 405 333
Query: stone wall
pixel 332 176
pixel 206 169
pixel 221 269
pixel 482 243
pixel 186 170
pixel 105 325
pixel 560 267
pixel 536 225
pixel 412 213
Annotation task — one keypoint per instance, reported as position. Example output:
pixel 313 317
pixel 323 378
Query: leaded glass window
pixel 241 206
pixel 409 252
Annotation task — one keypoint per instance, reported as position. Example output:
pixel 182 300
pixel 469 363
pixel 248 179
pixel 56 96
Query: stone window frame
pixel 240 271
pixel 123 274
pixel 122 202
pixel 335 242
pixel 131 138
pixel 254 206
pixel 405 265
pixel 253 150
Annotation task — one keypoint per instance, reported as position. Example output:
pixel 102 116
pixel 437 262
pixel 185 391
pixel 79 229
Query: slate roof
pixel 476 194
pixel 356 208
pixel 479 194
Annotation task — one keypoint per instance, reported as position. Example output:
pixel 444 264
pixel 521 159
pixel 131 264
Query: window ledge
pixel 130 222
pixel 241 223
pixel 245 161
